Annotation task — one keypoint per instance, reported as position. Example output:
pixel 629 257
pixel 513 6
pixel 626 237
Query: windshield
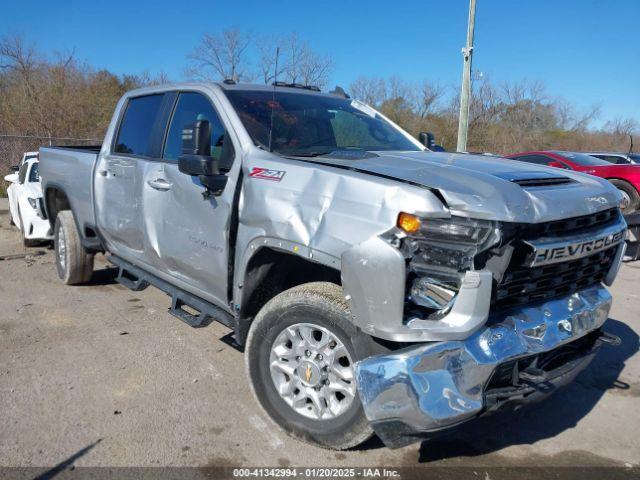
pixel 583 159
pixel 310 125
pixel 635 157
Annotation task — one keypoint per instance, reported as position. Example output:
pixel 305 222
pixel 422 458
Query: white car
pixel 25 197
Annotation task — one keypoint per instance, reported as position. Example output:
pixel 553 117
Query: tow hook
pixel 610 339
pixel 533 375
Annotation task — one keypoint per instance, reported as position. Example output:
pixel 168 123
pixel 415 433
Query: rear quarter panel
pixel 70 171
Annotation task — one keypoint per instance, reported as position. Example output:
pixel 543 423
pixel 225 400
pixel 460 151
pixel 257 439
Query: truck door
pixel 186 232
pixel 119 175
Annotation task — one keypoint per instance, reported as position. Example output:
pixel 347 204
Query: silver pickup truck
pixel 375 286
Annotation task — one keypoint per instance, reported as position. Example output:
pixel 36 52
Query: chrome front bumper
pixel 437 385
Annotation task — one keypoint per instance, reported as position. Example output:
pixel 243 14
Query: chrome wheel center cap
pixel 309 374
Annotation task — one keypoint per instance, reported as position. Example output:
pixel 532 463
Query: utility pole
pixel 467 53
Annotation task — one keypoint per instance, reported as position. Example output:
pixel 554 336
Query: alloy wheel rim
pixel 312 371
pixel 626 199
pixel 62 249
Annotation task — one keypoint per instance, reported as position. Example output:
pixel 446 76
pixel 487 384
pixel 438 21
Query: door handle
pixel 159 184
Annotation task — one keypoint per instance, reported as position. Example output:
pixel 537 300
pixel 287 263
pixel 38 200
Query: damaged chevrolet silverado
pixel 375 286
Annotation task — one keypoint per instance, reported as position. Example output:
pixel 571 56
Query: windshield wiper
pixel 303 154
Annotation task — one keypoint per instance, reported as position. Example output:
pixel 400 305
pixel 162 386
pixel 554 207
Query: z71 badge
pixel 266 174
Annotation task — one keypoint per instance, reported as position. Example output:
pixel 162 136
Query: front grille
pixel 527 285
pixel 571 226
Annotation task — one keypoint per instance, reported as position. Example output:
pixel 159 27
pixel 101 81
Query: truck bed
pixel 70 170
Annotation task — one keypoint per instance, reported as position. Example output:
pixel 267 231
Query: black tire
pixel 27 242
pixel 77 266
pixel 321 304
pixel 627 189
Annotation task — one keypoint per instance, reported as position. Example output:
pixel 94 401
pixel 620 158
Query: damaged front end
pixel 515 359
pixel 437 279
pixel 499 314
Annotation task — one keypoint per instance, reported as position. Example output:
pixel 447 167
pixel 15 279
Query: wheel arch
pixel 55 200
pixel 269 271
pixel 627 182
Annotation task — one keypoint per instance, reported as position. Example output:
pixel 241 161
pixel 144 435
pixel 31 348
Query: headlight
pixel 446 244
pixel 32 202
pixel 455 229
pixel 439 252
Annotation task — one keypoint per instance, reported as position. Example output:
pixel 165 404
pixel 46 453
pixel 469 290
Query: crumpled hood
pixel 482 186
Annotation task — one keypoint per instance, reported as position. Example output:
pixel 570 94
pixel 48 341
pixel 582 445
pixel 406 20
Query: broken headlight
pixel 439 252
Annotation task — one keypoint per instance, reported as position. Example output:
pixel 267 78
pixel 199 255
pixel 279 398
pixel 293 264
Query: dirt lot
pixel 99 363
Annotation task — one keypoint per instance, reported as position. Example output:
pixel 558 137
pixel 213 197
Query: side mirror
pixel 556 165
pixel 427 139
pixel 15 168
pixel 196 159
pixel 11 178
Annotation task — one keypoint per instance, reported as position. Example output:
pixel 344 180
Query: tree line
pixel 60 96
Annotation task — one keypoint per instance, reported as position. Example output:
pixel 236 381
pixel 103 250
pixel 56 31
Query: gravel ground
pixel 102 367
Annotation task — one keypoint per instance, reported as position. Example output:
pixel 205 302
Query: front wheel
pixel 300 356
pixel 73 263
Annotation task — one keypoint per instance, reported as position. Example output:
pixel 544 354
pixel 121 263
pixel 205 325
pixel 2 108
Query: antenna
pixel 273 98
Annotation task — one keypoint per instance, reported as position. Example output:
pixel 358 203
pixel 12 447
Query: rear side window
pixel 191 108
pixel 136 127
pixel 33 173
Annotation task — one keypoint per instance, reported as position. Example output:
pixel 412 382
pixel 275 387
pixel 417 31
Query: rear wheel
pixel 631 198
pixel 300 356
pixel 73 263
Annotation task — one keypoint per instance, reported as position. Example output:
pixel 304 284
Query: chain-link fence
pixel 12 147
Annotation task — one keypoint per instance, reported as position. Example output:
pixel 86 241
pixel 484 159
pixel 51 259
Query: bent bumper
pixel 434 386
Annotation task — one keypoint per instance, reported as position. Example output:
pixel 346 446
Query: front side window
pixel 136 127
pixel 34 176
pixel 537 159
pixel 191 108
pixel 311 124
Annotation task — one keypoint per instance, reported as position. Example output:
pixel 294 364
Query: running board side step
pixel 136 279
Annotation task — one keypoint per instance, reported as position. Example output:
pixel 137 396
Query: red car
pixel 625 177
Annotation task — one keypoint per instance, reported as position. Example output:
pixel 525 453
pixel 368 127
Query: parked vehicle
pixel 626 178
pixel 617 157
pixel 375 285
pixel 26 156
pixel 25 202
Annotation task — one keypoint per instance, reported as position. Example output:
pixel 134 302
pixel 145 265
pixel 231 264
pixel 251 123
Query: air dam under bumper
pixel 438 385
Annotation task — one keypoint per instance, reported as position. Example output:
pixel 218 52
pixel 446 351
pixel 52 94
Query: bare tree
pixel 303 65
pixel 270 53
pixel 427 98
pixel 221 56
pixel 368 90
